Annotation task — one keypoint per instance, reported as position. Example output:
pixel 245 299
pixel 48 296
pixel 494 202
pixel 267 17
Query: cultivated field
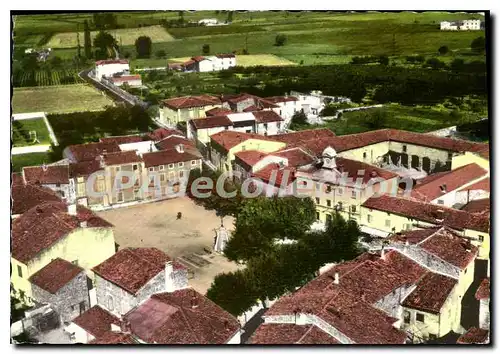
pixel 58 99
pixel 47 77
pixel 29 132
pixel 124 36
pixel 251 60
pixel 156 225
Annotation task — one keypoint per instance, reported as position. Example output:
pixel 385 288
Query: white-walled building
pixel 210 63
pixel 464 25
pixel 111 67
pixel 131 80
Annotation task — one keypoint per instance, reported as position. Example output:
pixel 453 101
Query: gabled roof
pixel 211 122
pixel 55 275
pixel 229 55
pixel 162 133
pixel 133 268
pixel 250 157
pixel 483 292
pixel 431 213
pixel 191 101
pixel 111 61
pixel 89 151
pixel 275 175
pixel 182 317
pixel 267 117
pixel 288 333
pixel 121 158
pixel 43 225
pixel 229 139
pixel 431 293
pixel 165 157
pixel 296 156
pixel 252 108
pixel 172 141
pixel 56 174
pixel 447 182
pixel 483 185
pixel 478 206
pixel 114 338
pixel 25 197
pixel 84 168
pixel 96 321
pixel 474 335
pixel 217 111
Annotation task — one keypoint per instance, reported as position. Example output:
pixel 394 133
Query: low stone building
pixel 62 285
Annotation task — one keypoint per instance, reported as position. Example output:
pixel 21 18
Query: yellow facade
pixel 467 158
pixel 174 116
pixel 86 247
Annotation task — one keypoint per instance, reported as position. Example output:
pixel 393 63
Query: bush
pixel 478 45
pixel 143 46
pixel 280 40
pixel 205 49
pixel 435 64
pixel 443 50
pixel 161 54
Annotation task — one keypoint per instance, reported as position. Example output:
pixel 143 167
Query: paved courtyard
pixel 187 240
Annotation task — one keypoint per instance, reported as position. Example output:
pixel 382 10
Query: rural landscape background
pixel 425 78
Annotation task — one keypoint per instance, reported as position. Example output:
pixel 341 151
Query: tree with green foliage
pixel 478 45
pixel 87 42
pixel 30 62
pixel 443 50
pixel 55 62
pixel 435 64
pixel 375 118
pixel 181 17
pixel 233 292
pixel 280 40
pixel 299 119
pixel 205 49
pixel 143 46
pixel 104 43
pixel 328 111
pixel 457 65
pixel 383 60
pixel 161 54
pixel 229 17
pixel 104 20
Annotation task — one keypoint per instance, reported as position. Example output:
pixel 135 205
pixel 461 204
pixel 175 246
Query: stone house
pixel 182 109
pixel 54 177
pixel 62 285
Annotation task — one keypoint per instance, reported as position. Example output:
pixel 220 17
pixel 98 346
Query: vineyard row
pixel 45 78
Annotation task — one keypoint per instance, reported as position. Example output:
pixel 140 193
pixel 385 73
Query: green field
pixel 58 99
pixel 45 77
pixel 312 37
pixel 124 36
pixel 30 132
pixel 33 159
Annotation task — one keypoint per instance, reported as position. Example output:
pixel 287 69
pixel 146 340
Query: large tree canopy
pixel 104 44
pixel 143 47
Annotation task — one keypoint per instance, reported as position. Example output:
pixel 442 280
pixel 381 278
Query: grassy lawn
pixel 124 36
pixel 24 132
pixel 33 159
pixel 58 99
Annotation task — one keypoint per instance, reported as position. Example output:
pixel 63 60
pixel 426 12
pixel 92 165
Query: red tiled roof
pixel 315 140
pixel 124 139
pixel 191 101
pixel 250 157
pixel 483 292
pixel 217 111
pixel 84 168
pixel 453 218
pixel 317 336
pixel 284 176
pixel 229 139
pixel 165 157
pixel 17 178
pixel 162 133
pixel 169 318
pixel 454 179
pixel 111 61
pixel 267 117
pixel 352 167
pixel 56 174
pixel 121 158
pixel 478 206
pixel 187 63
pixel 431 293
pixel 252 108
pixel 484 152
pixel 126 78
pixel 89 151
pixel 114 338
pixel 278 99
pixel 132 268
pixel 211 122
pixel 413 236
pixel 450 247
pixel 483 184
pixel 474 336
pixel 172 141
pixel 198 58
pixel 96 321
pixel 296 157
pixel 265 103
pixel 238 97
pixel 55 275
pixel 279 333
pixel 25 197
pixel 45 224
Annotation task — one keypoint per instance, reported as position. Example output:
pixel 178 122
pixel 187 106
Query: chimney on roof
pixel 72 209
pixel 44 167
pixel 336 279
pixel 382 253
pixel 440 215
pixel 180 148
pixel 194 302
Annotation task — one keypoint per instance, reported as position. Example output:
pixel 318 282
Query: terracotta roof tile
pixel 25 197
pixel 121 158
pixel 217 111
pixel 478 206
pixel 279 99
pixel 55 275
pixel 413 236
pixel 211 122
pixel 431 293
pixel 170 142
pixel 191 101
pixel 267 117
pixel 125 78
pixel 317 336
pixel 132 268
pixel 198 58
pixel 124 139
pixel 284 176
pixel 279 333
pixel 296 157
pixel 230 55
pixel 170 318
pixel 96 321
pixel 57 174
pixel 450 181
pixel 111 61
pixel 165 157
pixel 435 214
pixel 252 108
pixel 45 224
pixel 483 292
pixel 474 336
pixel 483 184
pixel 89 151
pixel 250 157
pixel 114 338
pixel 84 168
pixel 162 133
pixel 229 139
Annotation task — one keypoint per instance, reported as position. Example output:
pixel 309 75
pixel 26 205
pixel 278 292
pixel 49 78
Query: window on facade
pixel 136 194
pixel 62 194
pixel 432 336
pixel 318 186
pixel 265 125
pixel 80 179
pixel 481 238
pixel 181 164
pixel 353 208
pixel 135 167
pixel 317 200
pixel 369 218
pixel 364 155
pixel 162 167
pixel 328 218
pixel 340 191
pixel 171 166
pixel 193 162
pixel 181 174
pixel 406 317
pixel 387 223
pixel 151 169
pixel 243 147
pixel 317 216
pixel 117 168
pixel 120 197
pixel 404 148
pixel 328 203
pixel 19 271
pixel 100 186
pixel 353 194
pixel 450 156
pixel 420 317
pixel 328 189
pixel 162 177
pixel 440 201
